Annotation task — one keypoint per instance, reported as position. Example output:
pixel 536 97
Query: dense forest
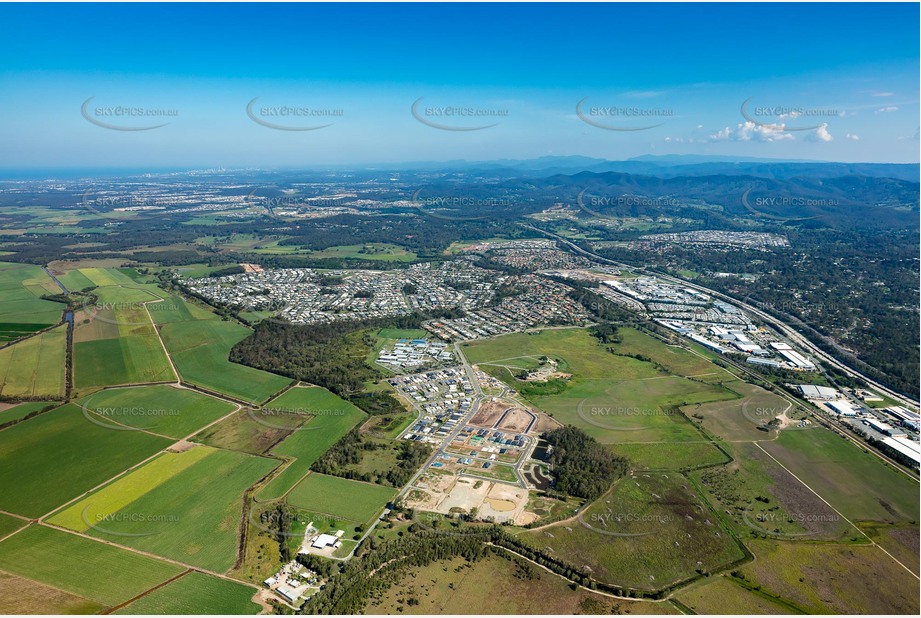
pixel 580 465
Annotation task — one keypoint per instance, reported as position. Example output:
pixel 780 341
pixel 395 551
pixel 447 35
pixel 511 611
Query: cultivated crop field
pixel 114 339
pixel 331 495
pixel 66 562
pixel 22 310
pixel 161 409
pixel 9 524
pixel 35 367
pixel 17 412
pixel 23 596
pixel 200 350
pixel 331 417
pixel 196 593
pixel 185 506
pixel 54 457
pixel 649 532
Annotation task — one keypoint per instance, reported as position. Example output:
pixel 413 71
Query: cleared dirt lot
pixel 517 420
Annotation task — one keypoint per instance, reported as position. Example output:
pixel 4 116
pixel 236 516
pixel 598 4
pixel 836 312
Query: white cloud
pixel 751 132
pixel 852 137
pixel 821 134
pixel 883 110
pixel 914 137
pixel 883 94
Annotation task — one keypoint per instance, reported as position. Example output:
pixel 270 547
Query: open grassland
pixel 331 495
pixel 101 573
pixel 22 310
pixel 495 585
pixel 739 419
pixel 854 481
pixel 723 596
pixel 161 409
pixel 17 412
pixel 674 358
pixel 762 499
pixel 649 532
pixel 826 578
pixel 200 350
pixel 35 367
pixel 403 333
pixel 196 593
pixel 666 456
pixel 332 418
pixel 583 356
pixel 24 596
pixel 617 399
pixel 54 457
pixel 193 515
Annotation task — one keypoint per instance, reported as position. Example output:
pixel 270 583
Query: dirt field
pixel 517 420
pixel 489 413
pixel 545 423
pixel 448 495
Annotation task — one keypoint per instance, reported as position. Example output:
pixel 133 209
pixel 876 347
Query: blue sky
pixel 822 81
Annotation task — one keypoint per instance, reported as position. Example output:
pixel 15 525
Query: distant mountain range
pixel 667 166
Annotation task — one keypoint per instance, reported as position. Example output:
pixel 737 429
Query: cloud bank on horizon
pixel 99 86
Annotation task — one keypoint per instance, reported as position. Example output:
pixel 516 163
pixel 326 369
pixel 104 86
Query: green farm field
pixel 115 341
pixel 22 310
pixel 196 593
pixel 34 368
pixel 187 511
pixel 65 561
pixel 200 350
pixel 161 409
pixel 17 412
pixel 331 495
pixel 25 596
pixel 10 524
pixel 332 418
pixel 64 454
